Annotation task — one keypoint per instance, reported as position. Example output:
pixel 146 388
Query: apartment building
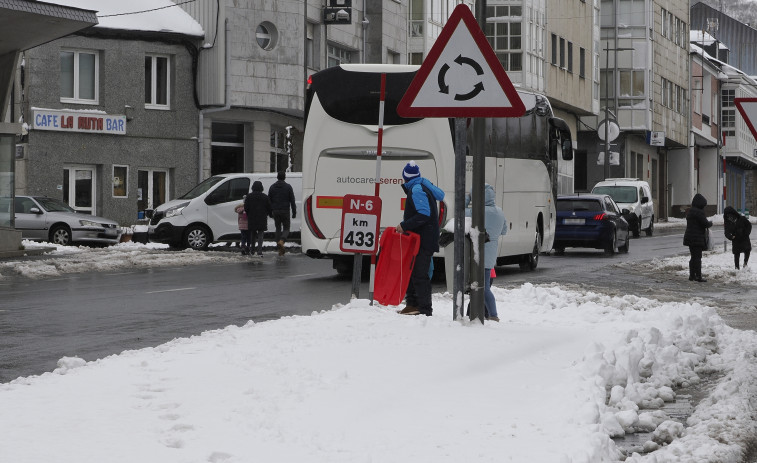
pixel 572 74
pixel 644 90
pixel 254 64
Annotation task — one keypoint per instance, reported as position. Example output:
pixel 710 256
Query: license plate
pixel 111 232
pixel 574 221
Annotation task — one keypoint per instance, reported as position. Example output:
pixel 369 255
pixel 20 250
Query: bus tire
pixel 531 261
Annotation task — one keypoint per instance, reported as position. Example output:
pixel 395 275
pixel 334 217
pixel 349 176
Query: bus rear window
pixel 353 97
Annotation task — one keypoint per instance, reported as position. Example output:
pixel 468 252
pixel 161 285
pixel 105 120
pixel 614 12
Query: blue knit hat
pixel 411 171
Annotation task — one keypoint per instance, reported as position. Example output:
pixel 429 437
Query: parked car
pixel 634 195
pixel 41 218
pixel 206 213
pixel 590 221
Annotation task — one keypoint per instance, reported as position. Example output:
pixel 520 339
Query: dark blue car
pixel 590 221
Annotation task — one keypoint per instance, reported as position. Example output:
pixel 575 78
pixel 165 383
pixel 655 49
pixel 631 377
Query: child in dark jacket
pixel 737 229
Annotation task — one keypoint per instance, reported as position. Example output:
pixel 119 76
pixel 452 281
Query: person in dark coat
pixel 422 217
pixel 258 209
pixel 695 236
pixel 737 229
pixel 282 199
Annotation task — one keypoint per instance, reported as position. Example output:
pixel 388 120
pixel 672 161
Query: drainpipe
pixel 225 107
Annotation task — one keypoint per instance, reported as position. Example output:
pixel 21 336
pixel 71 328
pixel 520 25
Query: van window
pixel 231 190
pixel 200 189
pixel 621 194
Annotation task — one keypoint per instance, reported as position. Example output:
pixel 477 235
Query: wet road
pixel 93 315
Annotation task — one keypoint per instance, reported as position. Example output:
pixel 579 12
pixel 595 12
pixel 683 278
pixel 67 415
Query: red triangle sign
pixel 748 109
pixel 461 76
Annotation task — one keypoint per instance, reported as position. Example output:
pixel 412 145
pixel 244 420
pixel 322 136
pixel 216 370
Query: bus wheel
pixel 531 261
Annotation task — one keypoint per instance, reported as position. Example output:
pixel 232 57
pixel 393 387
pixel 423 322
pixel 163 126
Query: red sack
pixel 397 253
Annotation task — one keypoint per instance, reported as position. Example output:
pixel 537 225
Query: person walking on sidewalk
pixel 737 229
pixel 695 236
pixel 244 240
pixel 282 199
pixel 422 217
pixel 258 209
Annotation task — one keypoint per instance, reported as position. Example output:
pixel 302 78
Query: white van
pixel 206 214
pixel 632 194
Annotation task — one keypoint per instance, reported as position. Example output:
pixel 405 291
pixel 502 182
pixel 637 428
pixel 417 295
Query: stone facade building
pixel 111 119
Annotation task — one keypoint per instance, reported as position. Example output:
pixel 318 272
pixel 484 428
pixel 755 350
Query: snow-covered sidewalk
pixel 552 382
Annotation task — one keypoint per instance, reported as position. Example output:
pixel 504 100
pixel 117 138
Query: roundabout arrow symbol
pixel 470 62
pixel 478 88
pixel 443 87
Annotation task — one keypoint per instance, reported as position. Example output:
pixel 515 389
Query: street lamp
pixel 607 103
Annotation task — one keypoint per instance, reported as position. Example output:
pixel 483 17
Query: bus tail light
pixel 310 220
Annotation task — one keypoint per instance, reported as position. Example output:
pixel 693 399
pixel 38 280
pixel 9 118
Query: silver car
pixel 46 219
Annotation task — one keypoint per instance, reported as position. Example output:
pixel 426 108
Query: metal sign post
pixel 442 88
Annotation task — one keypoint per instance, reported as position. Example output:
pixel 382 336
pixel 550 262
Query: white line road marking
pixel 169 290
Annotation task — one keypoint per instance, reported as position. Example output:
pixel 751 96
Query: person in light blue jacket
pixel 496 225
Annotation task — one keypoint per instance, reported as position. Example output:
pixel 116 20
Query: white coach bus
pixel 339 158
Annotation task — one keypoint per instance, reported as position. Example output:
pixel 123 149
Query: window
pixel 310 46
pixel 226 148
pixel 562 52
pixel 416 58
pixel 79 77
pixel 554 49
pixel 728 119
pixel 664 22
pixel 120 181
pixel 279 158
pixel 392 57
pixel 416 18
pixel 582 62
pixel 338 55
pixel 157 78
pixel 631 83
pixel 570 56
pixel 504 33
pixel 266 35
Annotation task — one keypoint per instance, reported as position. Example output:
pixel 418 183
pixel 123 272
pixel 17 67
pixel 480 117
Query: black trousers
pixel 419 290
pixel 281 220
pixel 695 263
pixel 736 257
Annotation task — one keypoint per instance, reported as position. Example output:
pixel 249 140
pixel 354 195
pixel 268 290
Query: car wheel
pixel 650 230
pixel 60 234
pixel 532 260
pixel 197 237
pixel 613 244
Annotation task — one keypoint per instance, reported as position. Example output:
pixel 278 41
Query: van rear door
pixel 222 219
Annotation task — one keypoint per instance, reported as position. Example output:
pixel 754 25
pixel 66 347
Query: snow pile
pixel 562 373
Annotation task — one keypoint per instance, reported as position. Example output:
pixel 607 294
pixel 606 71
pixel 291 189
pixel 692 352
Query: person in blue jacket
pixel 496 225
pixel 422 217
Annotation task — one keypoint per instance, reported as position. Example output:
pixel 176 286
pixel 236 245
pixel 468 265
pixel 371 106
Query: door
pixel 152 188
pixel 222 219
pixel 31 224
pixel 79 187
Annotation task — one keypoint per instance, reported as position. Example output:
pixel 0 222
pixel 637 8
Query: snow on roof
pixel 139 15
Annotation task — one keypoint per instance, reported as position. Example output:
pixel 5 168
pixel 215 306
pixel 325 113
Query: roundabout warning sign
pixel 461 76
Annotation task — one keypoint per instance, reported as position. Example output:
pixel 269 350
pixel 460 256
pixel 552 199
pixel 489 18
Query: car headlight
pixel 89 223
pixel 175 210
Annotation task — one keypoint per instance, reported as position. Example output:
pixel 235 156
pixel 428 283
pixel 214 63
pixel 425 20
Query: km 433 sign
pixel 361 216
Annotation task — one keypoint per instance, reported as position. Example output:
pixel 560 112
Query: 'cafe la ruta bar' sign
pixel 78 121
